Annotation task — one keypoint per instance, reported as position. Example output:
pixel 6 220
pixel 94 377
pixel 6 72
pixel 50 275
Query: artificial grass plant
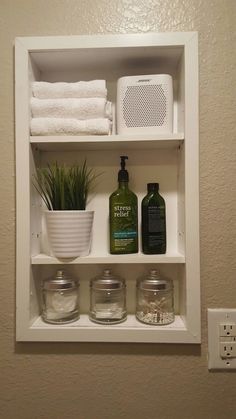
pixel 64 188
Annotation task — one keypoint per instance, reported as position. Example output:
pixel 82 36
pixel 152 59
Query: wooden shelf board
pixel 42 259
pixel 106 142
pixel 131 330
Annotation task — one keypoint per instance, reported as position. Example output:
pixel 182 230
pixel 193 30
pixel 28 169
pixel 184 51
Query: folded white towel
pixel 93 88
pixel 60 126
pixel 85 108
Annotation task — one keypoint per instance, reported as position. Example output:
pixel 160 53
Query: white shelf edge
pixel 60 43
pixel 42 259
pixel 83 330
pixel 130 323
pixel 95 142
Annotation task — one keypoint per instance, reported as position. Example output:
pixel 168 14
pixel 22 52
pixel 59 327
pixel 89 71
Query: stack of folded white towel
pixel 79 108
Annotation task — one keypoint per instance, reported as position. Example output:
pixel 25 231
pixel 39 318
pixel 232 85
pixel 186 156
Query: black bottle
pixel 153 221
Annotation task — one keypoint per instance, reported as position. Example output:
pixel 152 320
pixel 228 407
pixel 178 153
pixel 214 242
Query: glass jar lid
pixel 107 281
pixel 60 282
pixel 153 281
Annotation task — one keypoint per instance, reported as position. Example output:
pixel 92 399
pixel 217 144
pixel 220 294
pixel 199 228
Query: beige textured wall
pixel 114 381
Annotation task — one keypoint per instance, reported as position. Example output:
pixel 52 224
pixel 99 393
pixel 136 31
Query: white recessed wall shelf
pixel 171 160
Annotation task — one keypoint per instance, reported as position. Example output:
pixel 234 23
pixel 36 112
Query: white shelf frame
pixel 29 327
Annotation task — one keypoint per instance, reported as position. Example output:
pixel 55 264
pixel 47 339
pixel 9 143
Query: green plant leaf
pixel 64 188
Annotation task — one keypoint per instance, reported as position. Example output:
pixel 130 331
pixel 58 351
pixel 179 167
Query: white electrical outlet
pixel 228 349
pixel 221 338
pixel 227 329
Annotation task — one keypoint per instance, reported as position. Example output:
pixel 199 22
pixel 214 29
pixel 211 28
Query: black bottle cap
pixel 151 187
pixel 123 175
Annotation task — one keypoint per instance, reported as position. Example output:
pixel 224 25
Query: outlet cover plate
pixel 217 316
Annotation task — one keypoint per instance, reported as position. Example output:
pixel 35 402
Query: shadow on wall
pixel 61 348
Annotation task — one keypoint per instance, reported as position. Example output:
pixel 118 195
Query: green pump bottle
pixel 123 215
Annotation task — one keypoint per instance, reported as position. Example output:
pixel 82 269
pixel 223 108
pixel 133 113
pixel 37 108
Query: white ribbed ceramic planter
pixel 69 232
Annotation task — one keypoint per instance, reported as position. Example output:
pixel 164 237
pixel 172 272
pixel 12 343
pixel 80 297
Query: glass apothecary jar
pixel 60 299
pixel 155 299
pixel 107 299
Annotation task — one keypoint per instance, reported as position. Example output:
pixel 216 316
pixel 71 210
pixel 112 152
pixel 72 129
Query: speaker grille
pixel 145 105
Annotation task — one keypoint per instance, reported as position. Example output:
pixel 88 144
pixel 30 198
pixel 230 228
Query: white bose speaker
pixel 145 104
